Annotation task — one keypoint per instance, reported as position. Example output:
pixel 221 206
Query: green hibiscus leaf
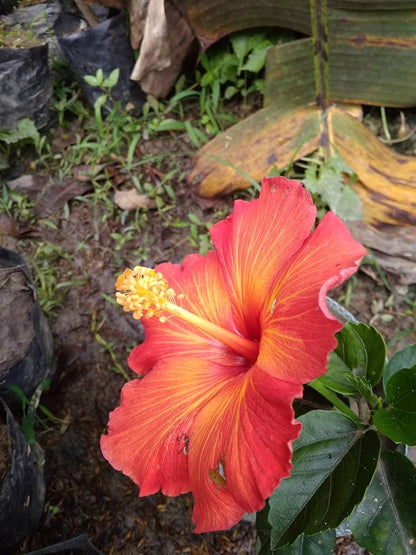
pixel 318 544
pixel 333 463
pixel 385 522
pixel 398 421
pixel 405 358
pixel 361 351
pixel 337 377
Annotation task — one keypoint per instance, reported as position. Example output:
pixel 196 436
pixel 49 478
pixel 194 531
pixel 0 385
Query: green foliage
pixel 51 290
pixel 333 463
pixel 332 181
pixel 406 358
pixel 12 140
pixel 318 544
pixel 199 234
pixel 233 67
pixel 237 62
pixel 107 346
pixel 106 85
pixel 341 465
pixel 34 414
pixel 384 522
pixel 16 205
pixel 398 419
pixel 361 353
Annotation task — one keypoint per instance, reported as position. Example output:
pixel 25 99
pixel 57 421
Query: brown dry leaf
pixel 28 184
pixel 131 199
pixel 137 15
pixel 8 227
pixel 116 175
pixel 64 138
pixel 269 137
pixel 167 38
pixel 57 195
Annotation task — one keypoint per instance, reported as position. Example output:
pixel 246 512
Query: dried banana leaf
pixel 387 179
pixel 217 18
pixel 270 137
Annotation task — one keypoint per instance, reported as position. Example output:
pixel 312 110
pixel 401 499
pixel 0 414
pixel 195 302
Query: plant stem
pixel 335 400
pixel 384 122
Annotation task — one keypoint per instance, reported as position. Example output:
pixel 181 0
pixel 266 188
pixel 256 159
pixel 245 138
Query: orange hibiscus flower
pixel 233 337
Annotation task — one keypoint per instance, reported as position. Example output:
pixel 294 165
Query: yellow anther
pixel 144 292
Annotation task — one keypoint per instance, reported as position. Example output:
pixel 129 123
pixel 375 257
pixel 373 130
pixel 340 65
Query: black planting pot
pixel 25 87
pixel 6 6
pixel 105 46
pixel 26 355
pixel 22 494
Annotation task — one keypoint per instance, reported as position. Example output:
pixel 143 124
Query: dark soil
pixel 84 493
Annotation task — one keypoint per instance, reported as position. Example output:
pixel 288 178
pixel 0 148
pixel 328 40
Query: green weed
pixel 51 290
pixel 34 414
pixel 107 346
pixel 233 67
pixel 331 182
pixel 16 205
pixel 14 141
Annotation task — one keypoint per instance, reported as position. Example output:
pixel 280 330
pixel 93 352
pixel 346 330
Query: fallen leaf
pixel 167 39
pixel 57 195
pixel 116 175
pixel 8 227
pixel 64 138
pixel 270 137
pixel 130 199
pixel 28 184
pixel 387 180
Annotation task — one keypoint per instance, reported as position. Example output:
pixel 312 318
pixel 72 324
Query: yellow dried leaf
pixel 387 180
pixel 269 137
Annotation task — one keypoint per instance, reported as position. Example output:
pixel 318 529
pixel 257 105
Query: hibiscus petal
pixel 147 438
pixel 246 432
pixel 176 425
pixel 298 329
pixel 258 239
pixel 200 280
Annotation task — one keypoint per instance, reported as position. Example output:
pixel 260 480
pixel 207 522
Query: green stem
pixel 384 122
pixel 335 400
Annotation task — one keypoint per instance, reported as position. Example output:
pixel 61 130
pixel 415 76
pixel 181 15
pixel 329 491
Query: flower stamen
pixel 147 293
pixel 144 292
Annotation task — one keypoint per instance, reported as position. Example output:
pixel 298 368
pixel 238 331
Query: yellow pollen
pixel 146 293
